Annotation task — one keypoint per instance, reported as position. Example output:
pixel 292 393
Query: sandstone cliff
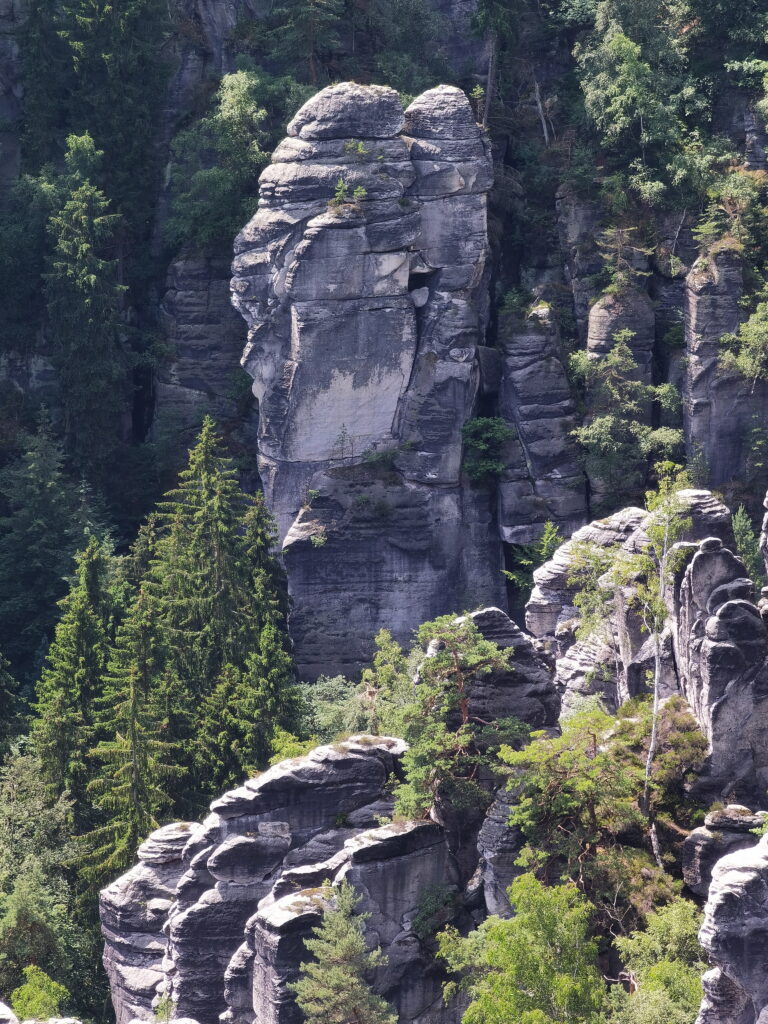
pixel 367 315
pixel 214 914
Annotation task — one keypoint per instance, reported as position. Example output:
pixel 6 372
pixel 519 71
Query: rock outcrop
pixel 363 278
pixel 724 831
pixel 214 915
pixel 721 409
pixel 735 937
pixel 714 646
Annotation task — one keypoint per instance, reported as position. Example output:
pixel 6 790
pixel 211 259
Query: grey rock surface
pixel 735 938
pixel 133 911
pixel 363 387
pixel 205 337
pixel 543 479
pixel 724 831
pixel 214 915
pixel 714 646
pixel 720 408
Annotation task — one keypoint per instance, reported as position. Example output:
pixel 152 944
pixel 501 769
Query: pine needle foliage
pixel 332 988
pixel 135 763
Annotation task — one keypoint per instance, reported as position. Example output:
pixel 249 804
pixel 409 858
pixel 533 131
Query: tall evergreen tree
pixel 239 718
pixel 332 988
pixel 307 31
pixel 73 679
pixel 135 762
pixel 85 323
pixel 48 518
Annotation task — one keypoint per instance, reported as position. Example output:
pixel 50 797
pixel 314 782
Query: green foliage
pixel 484 439
pixel 746 351
pixel 446 751
pixel 539 967
pixel 618 440
pixel 48 518
pixel 134 762
pixel 72 678
pixel 525 558
pixel 84 308
pixel 748 545
pixel 218 158
pixel 435 905
pixel 40 997
pixel 332 987
pixel 666 963
pixel 580 794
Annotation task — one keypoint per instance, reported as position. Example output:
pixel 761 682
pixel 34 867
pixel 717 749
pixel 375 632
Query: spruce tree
pixel 135 763
pixel 73 679
pixel 48 518
pixel 10 707
pixel 307 32
pixel 332 988
pixel 240 717
pixel 84 309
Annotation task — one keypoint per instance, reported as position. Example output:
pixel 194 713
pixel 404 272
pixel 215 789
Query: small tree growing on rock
pixel 448 747
pixel 332 988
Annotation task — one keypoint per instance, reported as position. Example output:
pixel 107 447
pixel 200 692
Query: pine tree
pixel 135 763
pixel 307 31
pixel 200 573
pixel 84 299
pixel 48 519
pixel 332 988
pixel 73 679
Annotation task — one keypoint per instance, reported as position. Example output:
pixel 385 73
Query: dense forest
pixel 147 662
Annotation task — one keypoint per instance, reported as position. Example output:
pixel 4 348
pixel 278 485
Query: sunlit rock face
pixel 363 280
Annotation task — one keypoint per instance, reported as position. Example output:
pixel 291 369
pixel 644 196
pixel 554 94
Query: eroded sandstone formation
pixel 214 914
pixel 714 646
pixel 363 278
pixel 735 938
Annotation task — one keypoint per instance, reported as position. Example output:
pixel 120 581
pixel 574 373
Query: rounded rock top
pixel 349 110
pixel 441 113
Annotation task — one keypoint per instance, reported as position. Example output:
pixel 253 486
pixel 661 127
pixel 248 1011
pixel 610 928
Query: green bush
pixel 484 439
pixel 40 997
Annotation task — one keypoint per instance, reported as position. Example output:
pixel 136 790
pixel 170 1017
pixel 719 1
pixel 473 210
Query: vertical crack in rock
pixel 363 278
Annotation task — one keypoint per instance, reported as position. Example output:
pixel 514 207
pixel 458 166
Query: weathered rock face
pixel 214 915
pixel 723 831
pixel 735 938
pixel 133 911
pixel 720 408
pixel 364 323
pixel 206 337
pixel 366 318
pixel 714 647
pixel 543 478
pixel 721 644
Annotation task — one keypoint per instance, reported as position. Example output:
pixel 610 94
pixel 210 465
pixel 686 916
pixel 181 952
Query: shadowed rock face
pixel 367 312
pixel 723 831
pixel 735 937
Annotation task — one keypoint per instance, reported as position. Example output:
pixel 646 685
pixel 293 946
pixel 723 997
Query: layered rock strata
pixel 724 831
pixel 363 279
pixel 721 409
pixel 735 937
pixel 214 915
pixel 714 646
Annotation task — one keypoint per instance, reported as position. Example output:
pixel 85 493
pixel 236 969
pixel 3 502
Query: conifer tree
pixel 332 988
pixel 135 762
pixel 240 717
pixel 10 707
pixel 84 299
pixel 72 679
pixel 47 521
pixel 307 31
